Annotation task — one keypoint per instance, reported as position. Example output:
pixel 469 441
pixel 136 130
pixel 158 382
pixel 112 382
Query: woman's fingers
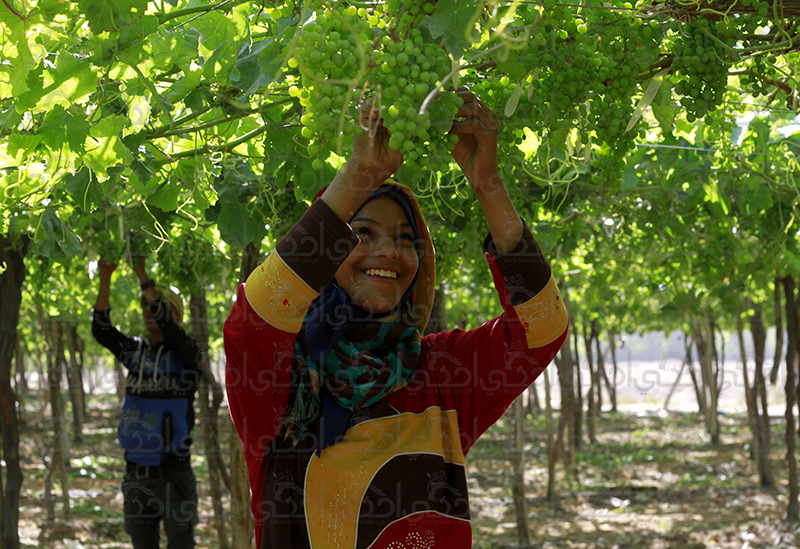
pixel 477 121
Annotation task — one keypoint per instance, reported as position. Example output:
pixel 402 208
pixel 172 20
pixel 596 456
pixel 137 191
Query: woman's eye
pixel 363 231
pixel 407 239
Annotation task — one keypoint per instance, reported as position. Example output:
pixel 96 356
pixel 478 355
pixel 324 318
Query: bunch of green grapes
pixel 109 246
pixel 409 69
pixel 189 262
pixel 703 63
pixel 332 56
pixel 346 54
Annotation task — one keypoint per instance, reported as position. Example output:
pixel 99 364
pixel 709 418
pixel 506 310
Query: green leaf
pixel 21 145
pixel 663 107
pixel 279 147
pixel 10 118
pixel 72 82
pixel 219 43
pixel 105 152
pixel 454 22
pixel 171 48
pixel 258 66
pixel 15 51
pixel 111 15
pixel 109 126
pixel 167 196
pixel 236 224
pixel 441 111
pixel 85 191
pixel 647 98
pixel 513 101
pixel 54 239
pixel 185 85
pixel 133 39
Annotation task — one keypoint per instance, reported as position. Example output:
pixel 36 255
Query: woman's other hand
pixel 477 128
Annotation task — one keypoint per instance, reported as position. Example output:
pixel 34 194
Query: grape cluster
pixel 409 69
pixel 703 63
pixel 346 54
pixel 583 74
pixel 332 60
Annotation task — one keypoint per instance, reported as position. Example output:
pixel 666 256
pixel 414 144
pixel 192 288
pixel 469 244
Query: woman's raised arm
pixel 477 128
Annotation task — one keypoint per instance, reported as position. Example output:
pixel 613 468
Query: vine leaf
pixel 111 15
pixel 258 66
pixel 451 21
pixel 441 111
pixel 647 98
pixel 664 108
pixel 54 239
pixel 513 101
pixel 85 191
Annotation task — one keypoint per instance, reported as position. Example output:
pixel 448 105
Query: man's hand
pixel 477 128
pixel 140 271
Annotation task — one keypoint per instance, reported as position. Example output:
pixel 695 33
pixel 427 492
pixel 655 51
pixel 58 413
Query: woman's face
pixel 384 263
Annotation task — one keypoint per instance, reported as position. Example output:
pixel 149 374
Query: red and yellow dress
pixel 397 479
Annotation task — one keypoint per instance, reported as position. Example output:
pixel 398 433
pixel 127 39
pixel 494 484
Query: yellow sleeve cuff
pixel 279 296
pixel 544 316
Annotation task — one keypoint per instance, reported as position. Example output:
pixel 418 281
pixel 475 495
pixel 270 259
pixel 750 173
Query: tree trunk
pixel 534 406
pixel 790 388
pixel 612 345
pixel 11 279
pixel 208 413
pixel 577 413
pixel 704 341
pixel 21 382
pixel 243 526
pixel 566 421
pixel 60 454
pixel 551 439
pixel 601 368
pixel 759 334
pixel 518 484
pixel 674 385
pixel 720 363
pixel 698 392
pixel 755 449
pixel 41 386
pixel 591 410
pixel 776 361
pixel 75 383
pixel 20 387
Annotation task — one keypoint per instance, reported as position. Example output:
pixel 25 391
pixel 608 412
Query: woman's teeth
pixel 381 272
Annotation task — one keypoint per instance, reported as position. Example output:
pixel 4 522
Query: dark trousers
pixel 153 494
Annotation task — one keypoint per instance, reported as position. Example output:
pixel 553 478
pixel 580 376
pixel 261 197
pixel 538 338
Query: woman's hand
pixel 477 128
pixel 105 269
pixel 372 155
pixel 370 165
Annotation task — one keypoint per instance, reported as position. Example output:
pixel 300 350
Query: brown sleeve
pixel 525 270
pixel 317 244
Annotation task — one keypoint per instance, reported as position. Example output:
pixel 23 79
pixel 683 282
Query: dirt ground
pixel 653 480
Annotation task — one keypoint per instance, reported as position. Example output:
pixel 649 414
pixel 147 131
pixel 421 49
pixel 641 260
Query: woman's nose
pixel 385 247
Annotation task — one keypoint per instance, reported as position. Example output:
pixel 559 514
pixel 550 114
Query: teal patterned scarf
pixel 370 361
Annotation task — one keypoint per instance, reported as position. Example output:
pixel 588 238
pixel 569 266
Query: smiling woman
pixel 383 265
pixel 355 427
